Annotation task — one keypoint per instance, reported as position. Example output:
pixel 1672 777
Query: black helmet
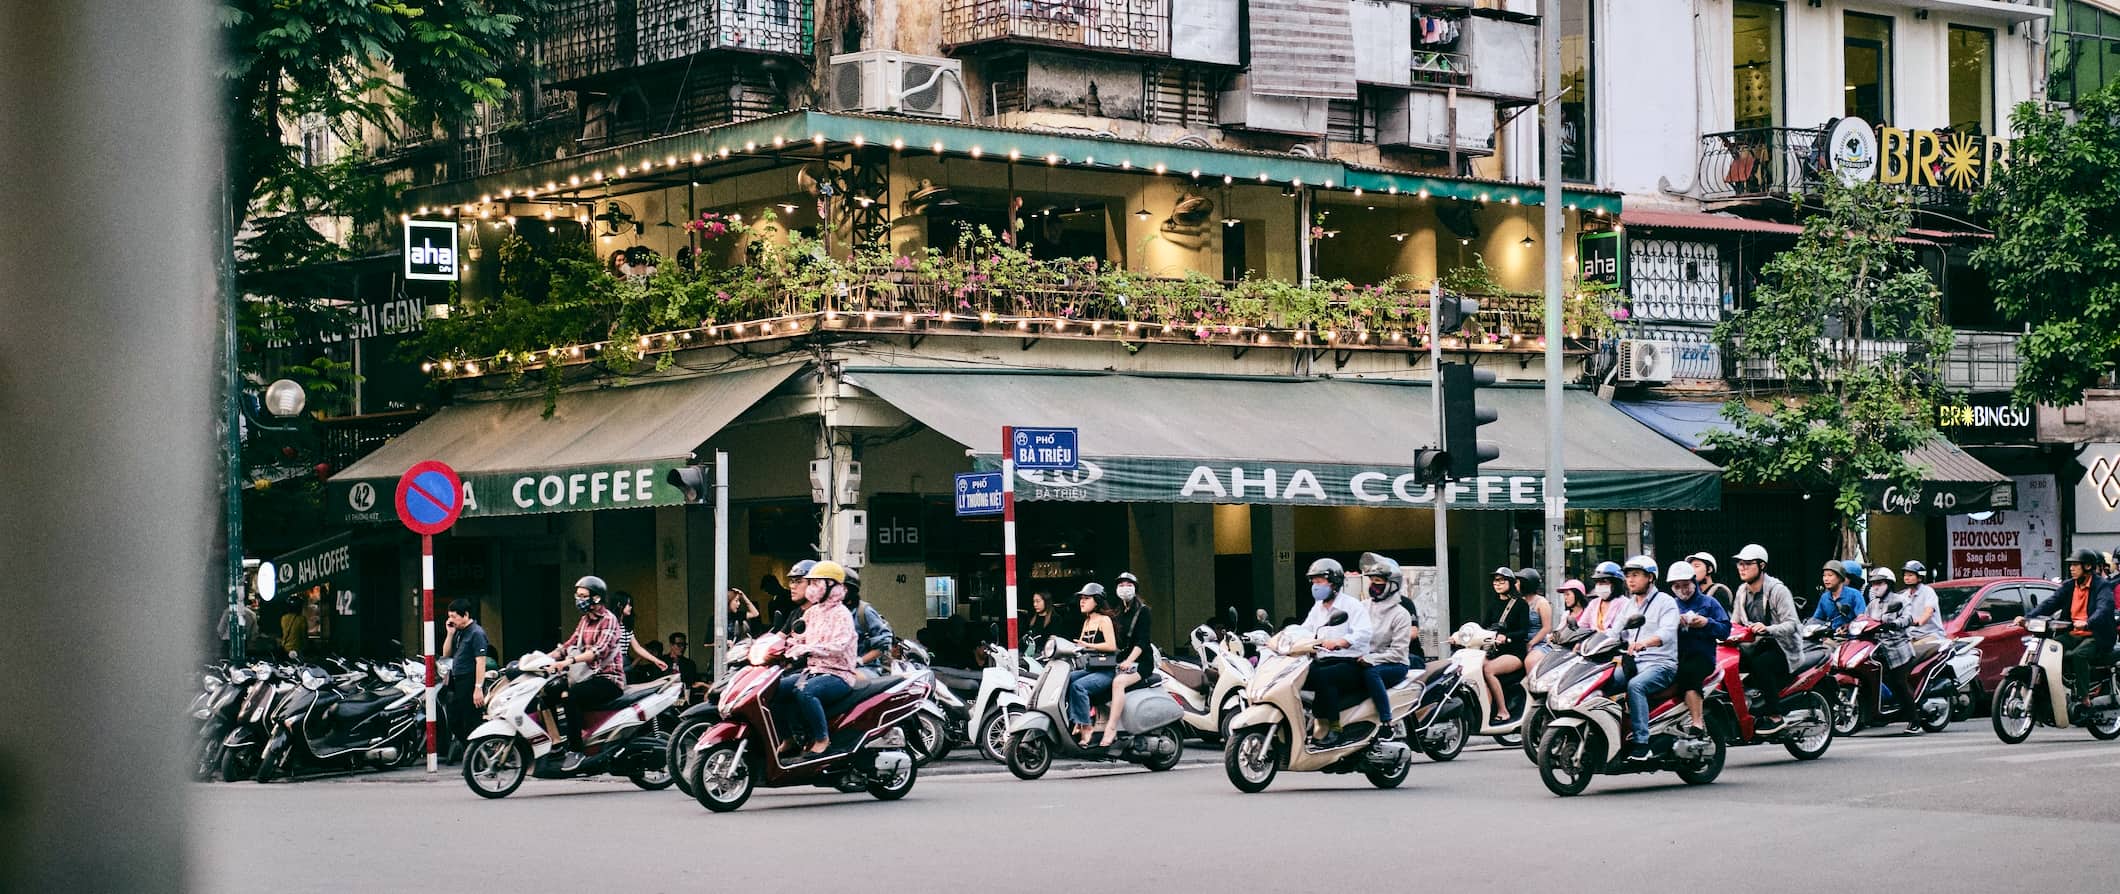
pixel 1503 572
pixel 1330 569
pixel 2087 557
pixel 1092 590
pixel 801 570
pixel 1915 567
pixel 1530 581
pixel 595 586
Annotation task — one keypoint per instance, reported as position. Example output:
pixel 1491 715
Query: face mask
pixel 1376 589
pixel 1320 592
pixel 582 604
pixel 1601 591
pixel 1126 591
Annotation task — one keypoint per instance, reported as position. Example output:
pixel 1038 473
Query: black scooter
pixel 322 726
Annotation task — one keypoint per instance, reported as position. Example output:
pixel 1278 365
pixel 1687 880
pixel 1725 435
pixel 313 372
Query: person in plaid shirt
pixel 595 645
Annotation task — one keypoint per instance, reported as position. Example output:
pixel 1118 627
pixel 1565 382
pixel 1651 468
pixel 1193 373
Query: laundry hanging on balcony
pixel 1302 49
pixel 1436 31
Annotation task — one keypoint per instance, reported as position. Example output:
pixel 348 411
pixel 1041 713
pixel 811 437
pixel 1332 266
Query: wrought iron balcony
pixel 1138 27
pixel 1763 162
pixel 348 438
pixel 588 38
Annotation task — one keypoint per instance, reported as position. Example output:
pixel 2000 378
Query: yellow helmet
pixel 831 571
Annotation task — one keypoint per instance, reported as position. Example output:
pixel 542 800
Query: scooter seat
pixel 631 696
pixel 863 691
pixel 959 680
pixel 1811 657
pixel 359 709
pixel 1187 674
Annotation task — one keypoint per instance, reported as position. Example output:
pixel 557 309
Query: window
pixel 1755 59
pixel 2003 605
pixel 1578 120
pixel 1972 80
pixel 2086 50
pixel 1866 55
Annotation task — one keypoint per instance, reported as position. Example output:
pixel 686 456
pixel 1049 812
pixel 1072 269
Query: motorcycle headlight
pixel 1574 695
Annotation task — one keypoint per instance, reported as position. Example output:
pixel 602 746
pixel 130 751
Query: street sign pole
pixel 721 566
pixel 1008 535
pixel 427 635
pixel 1442 488
pixel 430 497
pixel 1556 489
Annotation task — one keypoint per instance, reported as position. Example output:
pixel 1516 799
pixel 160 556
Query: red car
pixel 1991 608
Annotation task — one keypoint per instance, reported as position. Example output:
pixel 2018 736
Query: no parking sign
pixel 430 496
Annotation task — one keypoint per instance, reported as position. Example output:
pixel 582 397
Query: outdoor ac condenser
pixel 1643 361
pixel 885 81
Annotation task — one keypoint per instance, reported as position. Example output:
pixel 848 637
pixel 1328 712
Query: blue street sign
pixel 979 493
pixel 1047 449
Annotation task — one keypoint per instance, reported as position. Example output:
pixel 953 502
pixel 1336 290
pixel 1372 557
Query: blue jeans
pixel 1080 686
pixel 1647 680
pixel 809 695
pixel 1380 678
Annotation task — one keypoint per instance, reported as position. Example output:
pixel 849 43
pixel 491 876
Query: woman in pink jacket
pixel 828 641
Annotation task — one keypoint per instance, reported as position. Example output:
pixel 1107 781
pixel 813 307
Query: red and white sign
pixel 2020 542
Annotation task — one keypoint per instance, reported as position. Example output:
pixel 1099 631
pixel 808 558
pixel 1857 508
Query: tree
pixel 2055 257
pixel 1854 326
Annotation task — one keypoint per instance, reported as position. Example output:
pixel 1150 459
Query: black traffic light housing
pixel 1462 418
pixel 1453 312
pixel 1430 465
pixel 692 481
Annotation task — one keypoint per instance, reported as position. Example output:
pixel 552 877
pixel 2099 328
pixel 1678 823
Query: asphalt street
pixel 1955 811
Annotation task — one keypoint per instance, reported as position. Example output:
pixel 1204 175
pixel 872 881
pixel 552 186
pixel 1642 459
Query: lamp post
pixel 284 399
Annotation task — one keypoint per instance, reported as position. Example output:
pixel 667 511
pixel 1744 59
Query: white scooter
pixel 628 737
pixel 1273 732
pixel 1211 691
pixel 1473 642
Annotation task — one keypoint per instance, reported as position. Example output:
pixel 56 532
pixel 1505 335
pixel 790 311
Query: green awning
pixel 799 131
pixel 1343 442
pixel 606 449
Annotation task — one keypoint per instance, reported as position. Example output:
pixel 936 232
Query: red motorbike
pixel 1807 726
pixel 745 749
pixel 1859 683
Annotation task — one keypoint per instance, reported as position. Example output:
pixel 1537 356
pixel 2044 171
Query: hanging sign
pixel 1604 259
pixel 430 250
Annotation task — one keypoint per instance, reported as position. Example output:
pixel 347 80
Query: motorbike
pixel 1211 690
pixel 1807 724
pixel 1273 732
pixel 628 737
pixel 2034 693
pixel 1859 682
pixel 217 709
pixel 699 717
pixel 1473 643
pixel 1151 728
pixel 938 727
pixel 244 745
pixel 1560 656
pixel 744 750
pixel 364 718
pixel 1586 736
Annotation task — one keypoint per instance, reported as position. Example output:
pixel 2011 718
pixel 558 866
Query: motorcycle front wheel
pixel 1249 759
pixel 238 764
pixel 2012 712
pixel 1847 711
pixel 720 780
pixel 1564 761
pixel 1534 729
pixel 495 766
pixel 1813 746
pixel 1029 754
pixel 993 732
pixel 682 741
pixel 926 738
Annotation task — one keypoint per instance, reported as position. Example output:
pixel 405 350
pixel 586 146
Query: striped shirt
pixel 598 632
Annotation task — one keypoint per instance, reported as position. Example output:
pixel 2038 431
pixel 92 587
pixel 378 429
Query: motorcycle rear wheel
pixel 2103 725
pixel 730 783
pixel 1563 760
pixel 2012 712
pixel 1801 749
pixel 503 761
pixel 1176 734
pixel 653 779
pixel 1029 754
pixel 1709 767
pixel 1390 777
pixel 1249 759
pixel 1941 722
pixel 1231 707
pixel 682 741
pixel 927 739
pixel 896 787
pixel 1453 741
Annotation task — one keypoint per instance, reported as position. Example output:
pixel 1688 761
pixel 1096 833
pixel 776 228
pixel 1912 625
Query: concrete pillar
pixel 673 580
pixel 1273 560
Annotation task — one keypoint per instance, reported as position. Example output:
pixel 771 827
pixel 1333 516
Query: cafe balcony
pixel 1130 27
pixel 1763 162
pixel 588 39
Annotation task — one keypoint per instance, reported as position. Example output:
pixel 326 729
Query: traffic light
pixel 1430 465
pixel 1462 418
pixel 1452 312
pixel 691 480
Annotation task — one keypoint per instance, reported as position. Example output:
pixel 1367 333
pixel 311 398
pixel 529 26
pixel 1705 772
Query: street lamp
pixel 284 398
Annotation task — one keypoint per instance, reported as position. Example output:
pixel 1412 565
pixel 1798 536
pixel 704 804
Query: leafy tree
pixel 1853 325
pixel 2055 257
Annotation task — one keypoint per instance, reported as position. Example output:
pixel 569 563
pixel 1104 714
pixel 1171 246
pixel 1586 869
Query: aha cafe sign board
pixel 531 492
pixel 430 250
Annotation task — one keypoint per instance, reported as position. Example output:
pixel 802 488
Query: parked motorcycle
pixel 628 737
pixel 1473 642
pixel 1151 728
pixel 217 708
pixel 1273 733
pixel 745 749
pixel 2035 693
pixel 1859 682
pixel 1807 722
pixel 1211 690
pixel 364 718
pixel 1587 738
pixel 244 745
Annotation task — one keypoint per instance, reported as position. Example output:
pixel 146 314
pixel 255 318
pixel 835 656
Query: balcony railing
pixel 1442 69
pixel 1120 26
pixel 348 438
pixel 1763 162
pixel 588 38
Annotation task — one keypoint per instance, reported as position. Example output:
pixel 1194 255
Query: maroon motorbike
pixel 745 750
pixel 1807 729
pixel 1858 697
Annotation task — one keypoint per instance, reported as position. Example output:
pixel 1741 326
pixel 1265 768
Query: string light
pixel 779 141
pixel 860 141
pixel 1014 155
pixel 976 152
pixel 936 148
pixel 750 146
pixel 898 144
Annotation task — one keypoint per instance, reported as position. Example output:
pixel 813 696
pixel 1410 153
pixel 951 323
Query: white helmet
pixel 1753 552
pixel 1680 571
pixel 1643 564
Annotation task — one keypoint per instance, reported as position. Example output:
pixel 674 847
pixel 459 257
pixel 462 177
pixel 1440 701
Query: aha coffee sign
pixel 430 250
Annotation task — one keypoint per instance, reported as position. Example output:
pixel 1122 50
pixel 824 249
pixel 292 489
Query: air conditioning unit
pixel 1642 361
pixel 884 81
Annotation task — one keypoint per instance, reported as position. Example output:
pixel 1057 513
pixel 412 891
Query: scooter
pixel 245 743
pixel 1474 642
pixel 217 711
pixel 1212 690
pixel 2034 693
pixel 1560 656
pixel 697 719
pixel 345 722
pixel 1151 728
pixel 1273 733
pixel 628 737
pixel 743 751
pixel 1441 722
pixel 1859 682
pixel 1586 736
pixel 1807 724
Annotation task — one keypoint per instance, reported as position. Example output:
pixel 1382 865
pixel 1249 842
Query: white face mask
pixel 1601 590
pixel 1126 591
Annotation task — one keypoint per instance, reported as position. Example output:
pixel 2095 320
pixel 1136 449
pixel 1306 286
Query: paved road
pixel 1956 811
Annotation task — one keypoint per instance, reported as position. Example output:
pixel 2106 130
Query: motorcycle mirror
pixel 1336 620
pixel 1636 622
pixel 800 626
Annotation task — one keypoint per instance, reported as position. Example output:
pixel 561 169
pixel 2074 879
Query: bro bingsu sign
pixel 574 489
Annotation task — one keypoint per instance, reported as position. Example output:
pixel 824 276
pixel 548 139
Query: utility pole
pixel 1555 213
pixel 1442 441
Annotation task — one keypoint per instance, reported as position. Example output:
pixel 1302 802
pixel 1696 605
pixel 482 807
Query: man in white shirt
pixel 1336 678
pixel 1924 612
pixel 1654 646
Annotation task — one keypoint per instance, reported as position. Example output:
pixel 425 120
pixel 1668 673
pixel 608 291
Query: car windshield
pixel 1951 600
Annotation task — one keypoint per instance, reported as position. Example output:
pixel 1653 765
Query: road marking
pixel 1908 748
pixel 2054 755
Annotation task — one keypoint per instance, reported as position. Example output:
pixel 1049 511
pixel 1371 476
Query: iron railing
pixel 588 38
pixel 1763 162
pixel 348 438
pixel 1982 361
pixel 1139 27
pixel 1442 69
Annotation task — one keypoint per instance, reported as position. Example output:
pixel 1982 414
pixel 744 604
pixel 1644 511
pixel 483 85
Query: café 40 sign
pixel 529 492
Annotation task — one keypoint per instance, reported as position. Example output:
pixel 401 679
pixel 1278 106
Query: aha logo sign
pixel 430 250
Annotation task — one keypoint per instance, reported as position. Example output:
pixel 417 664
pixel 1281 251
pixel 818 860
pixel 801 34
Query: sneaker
pixel 1638 753
pixel 572 763
pixel 1914 728
pixel 1694 732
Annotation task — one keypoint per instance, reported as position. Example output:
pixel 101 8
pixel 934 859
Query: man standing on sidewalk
pixel 468 653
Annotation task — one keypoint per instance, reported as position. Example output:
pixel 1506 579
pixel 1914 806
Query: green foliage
pixel 2055 257
pixel 1854 325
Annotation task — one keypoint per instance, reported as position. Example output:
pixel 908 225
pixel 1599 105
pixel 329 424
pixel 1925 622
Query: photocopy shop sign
pixel 1153 480
pixel 531 492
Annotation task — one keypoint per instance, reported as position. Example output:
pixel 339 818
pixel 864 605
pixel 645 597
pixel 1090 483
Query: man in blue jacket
pixel 2087 602
pixel 1839 602
pixel 1701 622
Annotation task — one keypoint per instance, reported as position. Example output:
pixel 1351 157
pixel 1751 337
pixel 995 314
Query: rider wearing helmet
pixel 1608 597
pixel 1703 563
pixel 1654 646
pixel 1097 643
pixel 595 646
pixel 1531 585
pixel 1137 649
pixel 1839 602
pixel 1391 632
pixel 1764 605
pixel 1574 598
pixel 1513 629
pixel 1336 674
pixel 828 640
pixel 1925 629
pixel 1889 609
pixel 2087 603
pixel 1701 622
